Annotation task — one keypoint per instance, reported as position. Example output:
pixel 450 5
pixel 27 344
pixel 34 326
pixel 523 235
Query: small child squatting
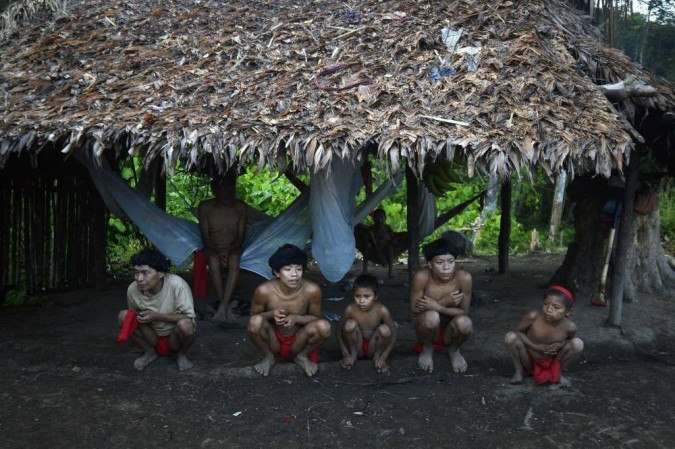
pixel 545 343
pixel 366 328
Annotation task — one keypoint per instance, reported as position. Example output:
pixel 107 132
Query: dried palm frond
pixel 214 83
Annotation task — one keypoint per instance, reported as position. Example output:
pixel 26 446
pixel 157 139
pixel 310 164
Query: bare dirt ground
pixel 65 383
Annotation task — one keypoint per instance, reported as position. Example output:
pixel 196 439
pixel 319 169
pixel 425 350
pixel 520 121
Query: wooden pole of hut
pixel 624 240
pixel 557 209
pixel 99 240
pixel 160 190
pixel 412 216
pixel 505 226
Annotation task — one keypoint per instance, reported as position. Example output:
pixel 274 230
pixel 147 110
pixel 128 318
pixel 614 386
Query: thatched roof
pixel 304 81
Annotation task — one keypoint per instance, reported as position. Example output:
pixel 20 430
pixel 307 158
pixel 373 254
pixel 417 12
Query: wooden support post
pixel 412 218
pixel 624 240
pixel 160 189
pixel 557 208
pixel 99 239
pixel 505 226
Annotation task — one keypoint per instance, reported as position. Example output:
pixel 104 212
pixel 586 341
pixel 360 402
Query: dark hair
pixel 437 248
pixel 288 254
pixel 229 177
pixel 379 213
pixel 563 292
pixel 367 281
pixel 152 258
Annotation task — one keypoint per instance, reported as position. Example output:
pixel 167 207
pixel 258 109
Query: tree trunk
pixel 649 270
pixel 583 261
pixel 647 266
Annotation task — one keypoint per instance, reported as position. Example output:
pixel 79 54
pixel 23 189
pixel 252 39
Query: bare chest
pixel 294 304
pixel 367 321
pixel 546 333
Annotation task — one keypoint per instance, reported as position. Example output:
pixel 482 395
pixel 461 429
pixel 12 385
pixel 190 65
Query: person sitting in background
pixel 222 222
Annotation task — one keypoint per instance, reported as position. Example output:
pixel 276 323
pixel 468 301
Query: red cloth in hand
pixel 544 370
pixel 129 326
pixel 199 276
pixel 438 344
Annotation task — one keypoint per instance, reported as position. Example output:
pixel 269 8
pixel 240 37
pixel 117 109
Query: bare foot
pixel 309 367
pixel 380 364
pixel 348 361
pixel 183 362
pixel 565 382
pixel 459 365
pixel 265 365
pixel 517 378
pixel 145 360
pixel 224 314
pixel 426 359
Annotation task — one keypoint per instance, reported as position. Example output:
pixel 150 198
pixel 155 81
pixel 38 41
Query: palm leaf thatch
pixel 215 83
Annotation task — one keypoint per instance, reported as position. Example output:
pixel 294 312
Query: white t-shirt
pixel 174 297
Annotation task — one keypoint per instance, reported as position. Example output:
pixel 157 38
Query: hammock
pixel 327 215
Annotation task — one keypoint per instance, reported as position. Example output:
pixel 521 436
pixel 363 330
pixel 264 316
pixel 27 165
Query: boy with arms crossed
pixel 440 297
pixel 366 328
pixel 544 342
pixel 286 314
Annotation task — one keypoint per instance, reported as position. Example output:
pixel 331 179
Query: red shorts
pixel 438 344
pixel 286 342
pixel 544 370
pixel 365 347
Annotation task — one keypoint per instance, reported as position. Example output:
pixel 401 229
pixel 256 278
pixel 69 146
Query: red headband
pixel 564 291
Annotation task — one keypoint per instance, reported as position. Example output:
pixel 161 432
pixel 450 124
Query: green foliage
pixel 269 192
pixel 122 244
pixel 650 43
pixel 19 298
pixel 667 213
pixel 184 192
pixel 531 210
pixel 15 298
pixel 488 236
pixel 37 300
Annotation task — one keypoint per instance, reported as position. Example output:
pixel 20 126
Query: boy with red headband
pixel 545 341
pixel 286 314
